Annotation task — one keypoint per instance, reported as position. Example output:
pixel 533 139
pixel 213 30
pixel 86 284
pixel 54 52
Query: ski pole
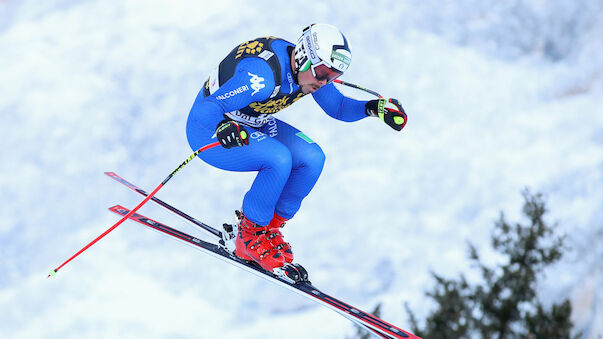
pixel 204 148
pixel 341 82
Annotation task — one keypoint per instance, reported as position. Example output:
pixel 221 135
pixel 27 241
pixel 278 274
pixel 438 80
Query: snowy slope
pixel 500 96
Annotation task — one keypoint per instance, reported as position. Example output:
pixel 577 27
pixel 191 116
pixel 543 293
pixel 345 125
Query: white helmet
pixel 325 50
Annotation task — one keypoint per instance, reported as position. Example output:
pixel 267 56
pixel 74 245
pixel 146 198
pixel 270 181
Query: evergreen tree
pixel 504 305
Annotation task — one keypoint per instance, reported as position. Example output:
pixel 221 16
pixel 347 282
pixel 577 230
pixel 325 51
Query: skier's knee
pixel 280 161
pixel 314 158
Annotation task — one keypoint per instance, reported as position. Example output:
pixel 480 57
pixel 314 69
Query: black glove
pixel 231 134
pixel 388 110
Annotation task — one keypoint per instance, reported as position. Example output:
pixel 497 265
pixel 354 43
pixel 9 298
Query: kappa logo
pixel 256 83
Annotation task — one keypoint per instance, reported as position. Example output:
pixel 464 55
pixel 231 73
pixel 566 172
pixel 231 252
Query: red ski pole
pixel 204 148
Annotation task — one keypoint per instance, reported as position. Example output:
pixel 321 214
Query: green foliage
pixel 553 324
pixel 504 305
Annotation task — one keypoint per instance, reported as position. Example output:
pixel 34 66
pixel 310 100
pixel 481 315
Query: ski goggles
pixel 323 72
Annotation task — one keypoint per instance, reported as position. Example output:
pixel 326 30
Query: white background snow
pixel 501 95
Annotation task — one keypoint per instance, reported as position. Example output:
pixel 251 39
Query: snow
pixel 500 96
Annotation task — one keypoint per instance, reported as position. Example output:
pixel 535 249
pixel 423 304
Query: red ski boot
pixel 276 237
pixel 252 244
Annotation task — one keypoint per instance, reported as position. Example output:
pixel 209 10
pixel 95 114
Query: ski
pixel 373 324
pixel 139 190
pixel 223 236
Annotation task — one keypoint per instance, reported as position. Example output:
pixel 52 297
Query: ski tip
pixel 52 273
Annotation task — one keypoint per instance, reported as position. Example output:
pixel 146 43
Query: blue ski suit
pixel 251 84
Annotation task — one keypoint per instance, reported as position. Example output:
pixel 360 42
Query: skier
pixel 255 80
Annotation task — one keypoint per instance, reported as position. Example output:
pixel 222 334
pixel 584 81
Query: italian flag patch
pixel 305 137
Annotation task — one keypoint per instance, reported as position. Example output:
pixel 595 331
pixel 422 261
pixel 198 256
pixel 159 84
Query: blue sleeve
pixel 339 106
pixel 252 81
